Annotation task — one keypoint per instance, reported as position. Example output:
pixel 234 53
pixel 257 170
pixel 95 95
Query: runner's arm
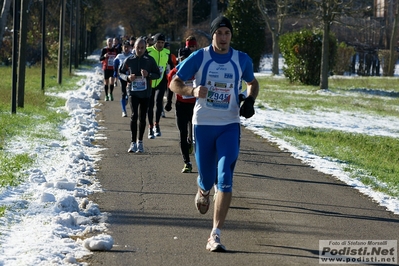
pixel 103 53
pixel 177 86
pixel 253 88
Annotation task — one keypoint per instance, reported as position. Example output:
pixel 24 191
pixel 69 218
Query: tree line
pixel 258 24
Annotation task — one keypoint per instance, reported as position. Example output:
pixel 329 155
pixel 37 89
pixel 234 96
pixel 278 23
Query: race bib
pixel 111 59
pixel 219 95
pixel 139 84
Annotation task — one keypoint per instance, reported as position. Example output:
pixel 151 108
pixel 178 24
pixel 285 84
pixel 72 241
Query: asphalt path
pixel 280 210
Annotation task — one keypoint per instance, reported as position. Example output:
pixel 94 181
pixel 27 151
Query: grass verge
pixel 37 119
pixel 381 97
pixel 372 159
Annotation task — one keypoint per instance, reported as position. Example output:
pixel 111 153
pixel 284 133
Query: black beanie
pixel 159 37
pixel 221 22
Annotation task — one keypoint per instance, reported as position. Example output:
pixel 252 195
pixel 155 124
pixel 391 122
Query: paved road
pixel 281 208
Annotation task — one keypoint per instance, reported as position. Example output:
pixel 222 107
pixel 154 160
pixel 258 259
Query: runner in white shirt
pixel 218 70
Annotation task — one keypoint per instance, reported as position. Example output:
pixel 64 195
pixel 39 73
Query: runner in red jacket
pixel 107 57
pixel 184 113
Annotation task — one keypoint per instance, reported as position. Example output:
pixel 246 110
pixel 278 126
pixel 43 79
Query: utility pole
pixel 43 56
pixel 77 32
pixel 16 13
pixel 22 52
pixel 70 36
pixel 61 40
pixel 85 38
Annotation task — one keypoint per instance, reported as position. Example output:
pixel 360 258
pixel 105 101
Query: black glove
pixel 247 108
pixel 168 106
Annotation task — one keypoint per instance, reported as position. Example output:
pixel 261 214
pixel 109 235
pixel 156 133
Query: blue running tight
pixel 216 153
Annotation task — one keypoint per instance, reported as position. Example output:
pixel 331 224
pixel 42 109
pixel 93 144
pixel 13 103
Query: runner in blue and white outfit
pixel 218 70
pixel 120 58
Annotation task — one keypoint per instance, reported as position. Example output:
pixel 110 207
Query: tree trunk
pixel 276 53
pixel 3 18
pixel 392 49
pixel 325 56
pixel 282 11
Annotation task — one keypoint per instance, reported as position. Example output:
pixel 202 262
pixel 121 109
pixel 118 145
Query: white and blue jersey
pixel 118 62
pixel 216 120
pixel 221 74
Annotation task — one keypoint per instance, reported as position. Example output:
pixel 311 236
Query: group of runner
pixel 208 105
pixel 113 58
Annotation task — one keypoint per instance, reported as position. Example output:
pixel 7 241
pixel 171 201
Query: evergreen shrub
pixel 302 52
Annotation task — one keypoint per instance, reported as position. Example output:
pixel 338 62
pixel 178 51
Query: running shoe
pixel 124 114
pixel 163 114
pixel 157 131
pixel 214 244
pixel 111 97
pixel 140 147
pixel 133 147
pixel 106 98
pixel 187 168
pixel 202 201
pixel 151 133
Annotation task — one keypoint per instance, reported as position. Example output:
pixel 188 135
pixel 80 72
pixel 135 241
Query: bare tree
pixel 329 11
pixel 3 18
pixel 274 20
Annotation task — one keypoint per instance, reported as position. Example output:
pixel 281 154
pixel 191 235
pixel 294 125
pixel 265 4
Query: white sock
pixel 215 231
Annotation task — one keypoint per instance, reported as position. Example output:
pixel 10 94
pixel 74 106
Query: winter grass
pixel 355 94
pixel 38 119
pixel 372 159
